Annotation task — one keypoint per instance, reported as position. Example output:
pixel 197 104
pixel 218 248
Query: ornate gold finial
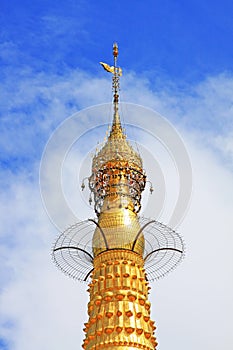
pixel 117 177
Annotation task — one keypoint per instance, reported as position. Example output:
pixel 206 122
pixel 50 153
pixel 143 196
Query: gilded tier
pixel 119 310
pixel 116 148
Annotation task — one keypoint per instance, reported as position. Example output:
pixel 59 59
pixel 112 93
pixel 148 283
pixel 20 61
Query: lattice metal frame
pixel 164 249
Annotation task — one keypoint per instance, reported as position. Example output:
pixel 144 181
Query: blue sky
pixel 177 60
pixel 53 36
pixel 172 44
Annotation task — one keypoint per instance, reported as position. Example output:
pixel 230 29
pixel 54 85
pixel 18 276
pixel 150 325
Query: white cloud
pixel 42 308
pixel 195 303
pixel 224 143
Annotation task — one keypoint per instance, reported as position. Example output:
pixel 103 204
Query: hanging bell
pixel 151 189
pixel 90 200
pixel 82 186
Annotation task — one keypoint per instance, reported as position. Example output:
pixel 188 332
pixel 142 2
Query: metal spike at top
pixel 115 85
pixel 117 72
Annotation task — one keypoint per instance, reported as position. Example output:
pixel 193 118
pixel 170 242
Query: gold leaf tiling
pixel 119 316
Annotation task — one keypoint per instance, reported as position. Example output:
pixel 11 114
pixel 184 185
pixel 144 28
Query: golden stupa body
pixel 113 250
pixel 119 310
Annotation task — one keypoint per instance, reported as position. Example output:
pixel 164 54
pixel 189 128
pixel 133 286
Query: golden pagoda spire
pixel 119 310
pixel 111 250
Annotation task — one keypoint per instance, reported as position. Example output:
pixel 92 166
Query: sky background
pixel 177 60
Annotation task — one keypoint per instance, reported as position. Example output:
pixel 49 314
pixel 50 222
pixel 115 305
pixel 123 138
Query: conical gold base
pixel 119 309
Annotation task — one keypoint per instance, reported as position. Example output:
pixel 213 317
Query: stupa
pixel 118 252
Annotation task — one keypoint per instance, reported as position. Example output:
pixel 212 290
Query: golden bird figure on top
pixel 111 69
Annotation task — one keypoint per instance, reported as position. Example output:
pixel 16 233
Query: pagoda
pixel 118 252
